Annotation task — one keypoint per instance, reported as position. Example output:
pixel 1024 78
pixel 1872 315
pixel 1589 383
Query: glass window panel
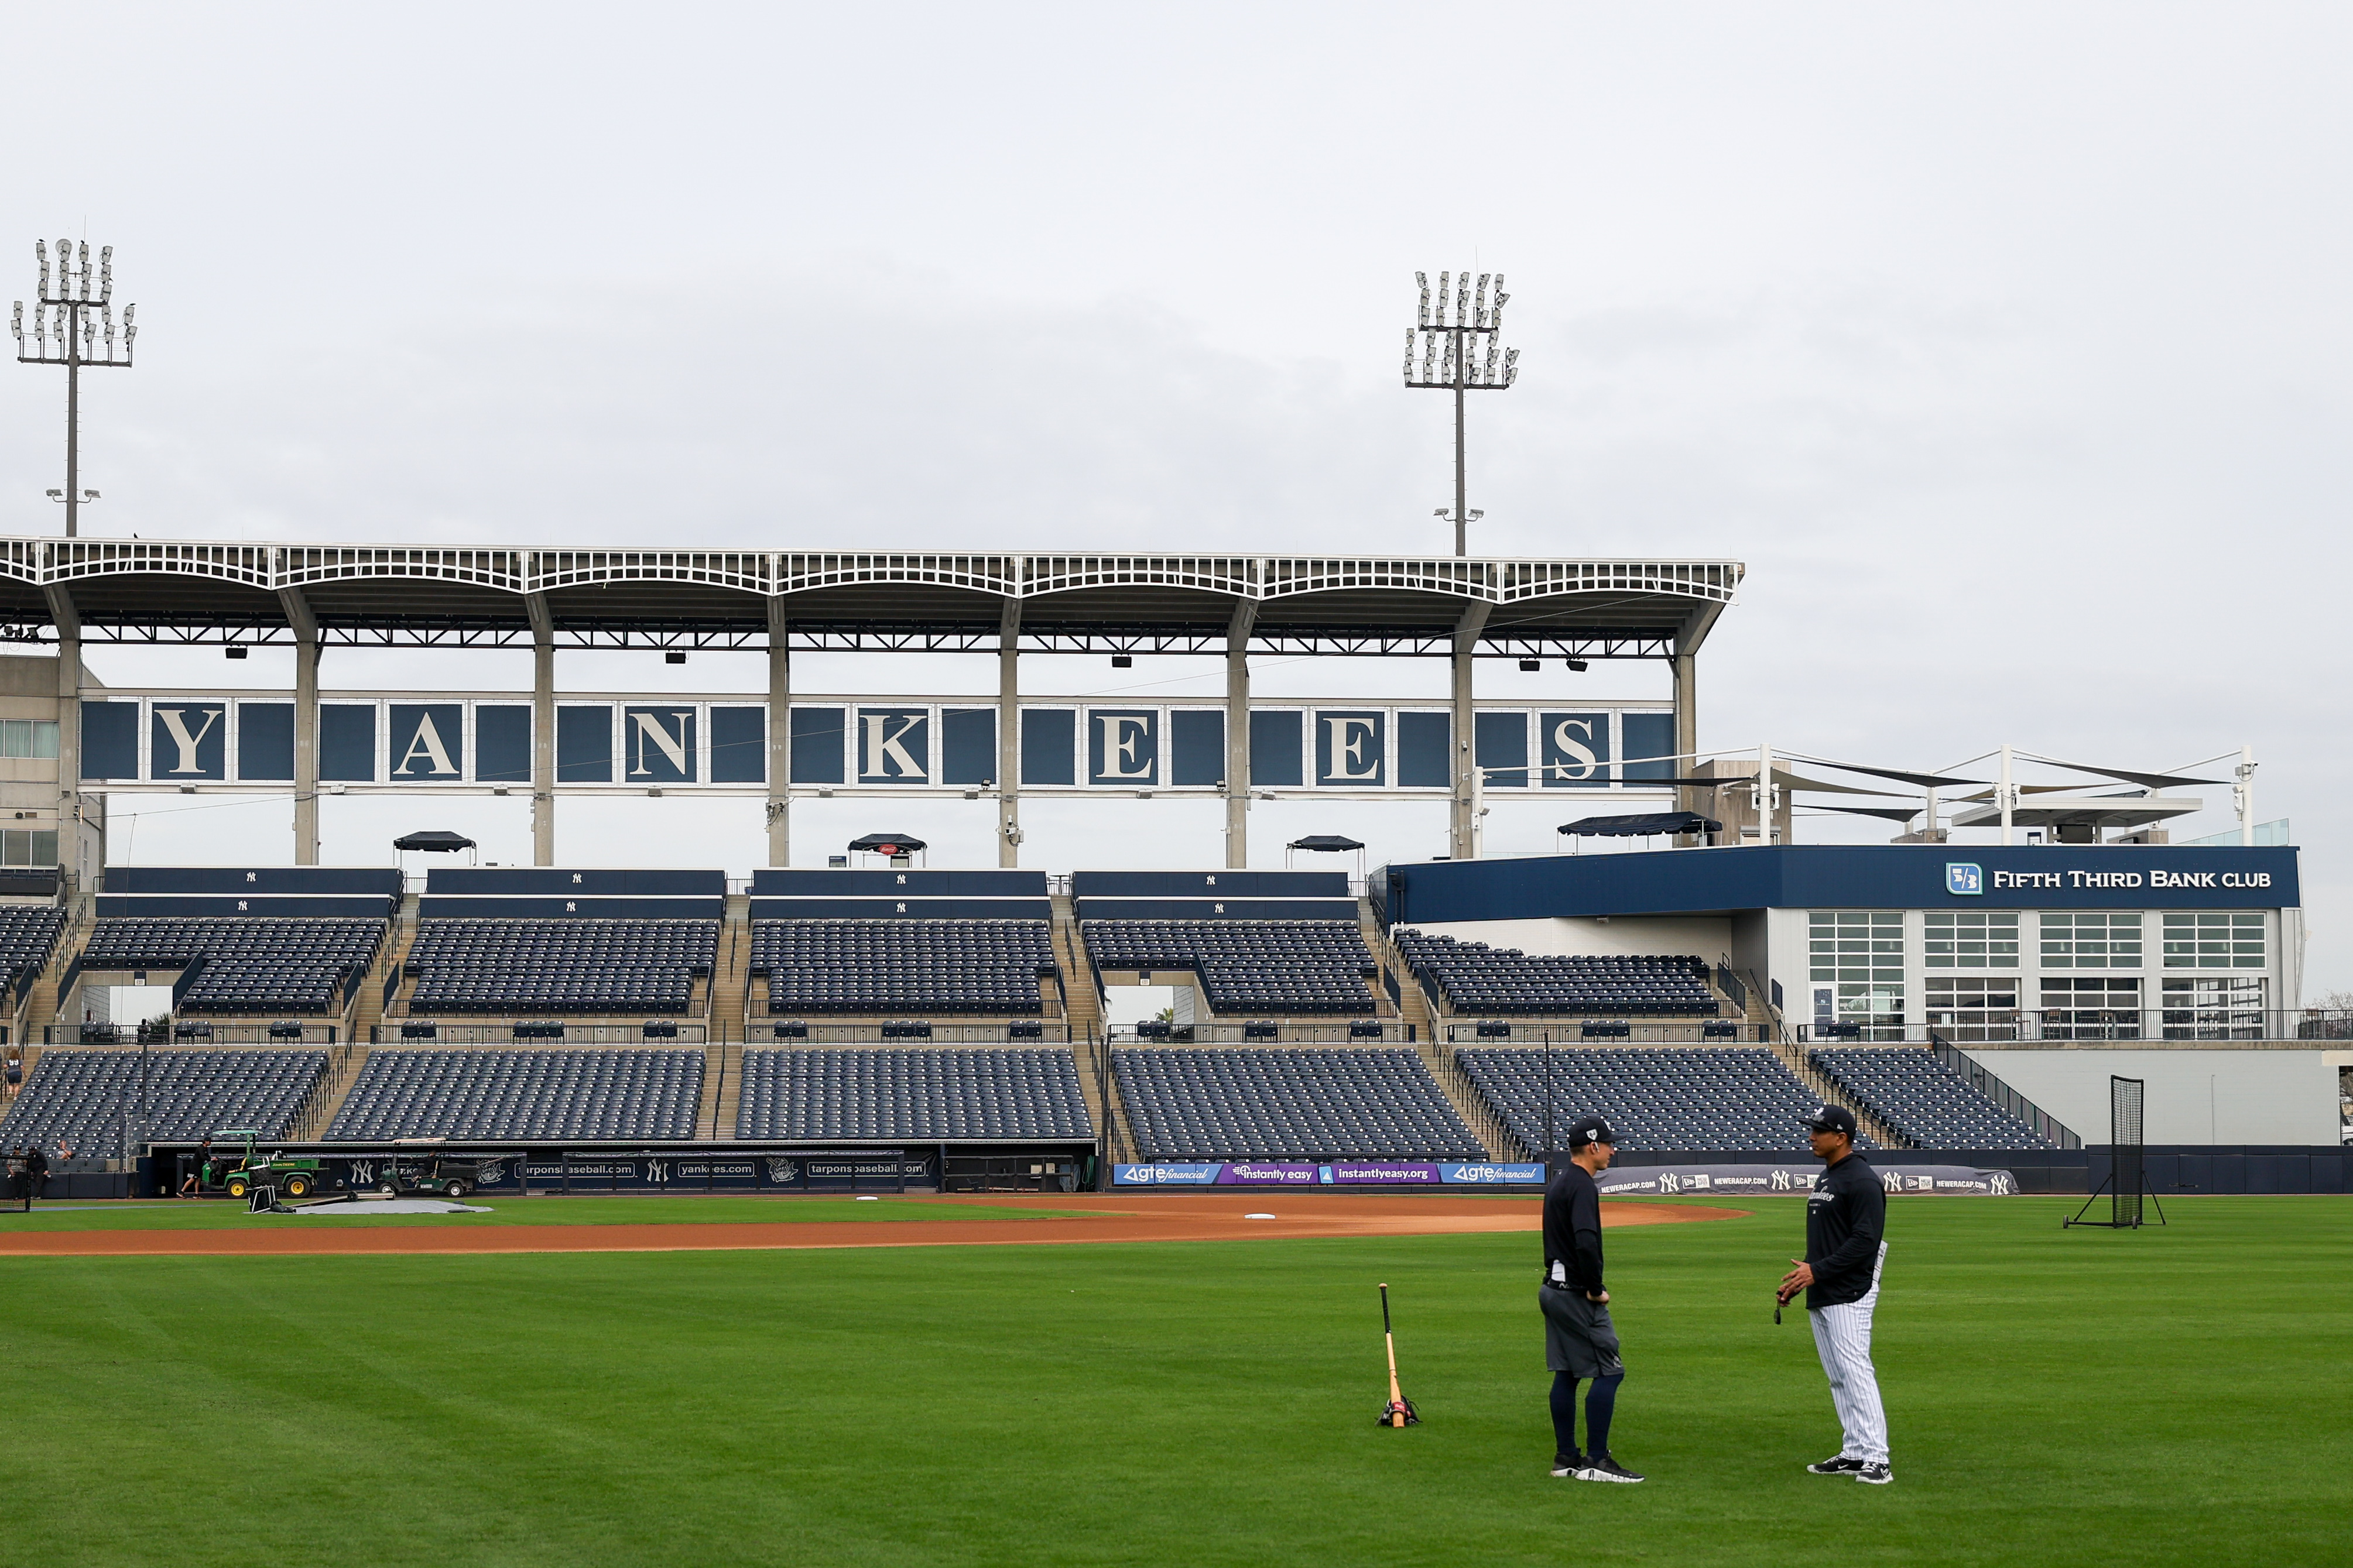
pixel 45 846
pixel 44 738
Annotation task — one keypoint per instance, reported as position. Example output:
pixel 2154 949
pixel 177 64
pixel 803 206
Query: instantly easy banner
pixel 1766 1181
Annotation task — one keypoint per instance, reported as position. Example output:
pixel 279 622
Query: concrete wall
pixel 2201 1096
pixel 1708 936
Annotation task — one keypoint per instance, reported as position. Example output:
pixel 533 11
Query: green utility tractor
pixel 294 1176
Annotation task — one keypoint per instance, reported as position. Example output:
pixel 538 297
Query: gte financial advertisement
pixel 471 739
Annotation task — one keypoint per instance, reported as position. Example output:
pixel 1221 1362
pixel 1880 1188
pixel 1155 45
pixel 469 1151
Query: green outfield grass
pixel 220 1214
pixel 2171 1396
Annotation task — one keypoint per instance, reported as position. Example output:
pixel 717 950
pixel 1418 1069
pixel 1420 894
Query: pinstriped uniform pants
pixel 1842 1335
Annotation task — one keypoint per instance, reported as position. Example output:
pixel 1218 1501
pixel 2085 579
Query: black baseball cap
pixel 1831 1119
pixel 1590 1129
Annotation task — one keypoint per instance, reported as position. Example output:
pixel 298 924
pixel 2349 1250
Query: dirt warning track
pixel 1100 1217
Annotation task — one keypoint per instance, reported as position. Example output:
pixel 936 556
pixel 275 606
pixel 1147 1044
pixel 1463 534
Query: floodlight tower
pixel 1460 355
pixel 74 326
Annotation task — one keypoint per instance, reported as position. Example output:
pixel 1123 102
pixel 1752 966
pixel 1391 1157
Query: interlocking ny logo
pixel 1964 878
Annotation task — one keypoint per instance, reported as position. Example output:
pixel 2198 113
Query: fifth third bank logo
pixel 1963 877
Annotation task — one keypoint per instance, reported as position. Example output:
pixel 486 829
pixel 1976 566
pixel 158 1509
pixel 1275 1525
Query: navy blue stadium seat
pixel 543 1093
pixel 28 934
pixel 557 965
pixel 77 1098
pixel 1273 966
pixel 1476 978
pixel 1927 1101
pixel 257 963
pixel 816 1094
pixel 969 968
pixel 1238 1103
pixel 1701 1098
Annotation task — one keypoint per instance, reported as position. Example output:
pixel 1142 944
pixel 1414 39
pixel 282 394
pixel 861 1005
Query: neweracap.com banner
pixel 1339 1174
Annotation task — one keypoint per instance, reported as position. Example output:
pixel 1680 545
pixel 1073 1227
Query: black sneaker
pixel 1874 1475
pixel 1567 1464
pixel 1605 1468
pixel 1840 1466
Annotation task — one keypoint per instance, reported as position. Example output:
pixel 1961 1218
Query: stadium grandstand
pixel 598 1095
pixel 1932 1106
pixel 85 1102
pixel 927 1015
pixel 1703 1099
pixel 1470 977
pixel 836 1094
pixel 1314 1103
pixel 1238 946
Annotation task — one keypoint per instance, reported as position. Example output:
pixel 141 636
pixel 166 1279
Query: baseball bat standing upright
pixel 1400 1411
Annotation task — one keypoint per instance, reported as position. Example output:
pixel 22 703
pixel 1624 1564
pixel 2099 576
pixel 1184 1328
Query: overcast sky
pixel 2005 343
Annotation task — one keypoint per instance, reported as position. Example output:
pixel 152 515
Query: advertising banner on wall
pixel 1338 1173
pixel 1794 1179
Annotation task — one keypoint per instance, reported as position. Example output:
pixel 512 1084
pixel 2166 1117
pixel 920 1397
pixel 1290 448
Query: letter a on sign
pixel 426 744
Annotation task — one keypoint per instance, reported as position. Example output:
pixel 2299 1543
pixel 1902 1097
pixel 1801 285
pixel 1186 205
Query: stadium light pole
pixel 1457 350
pixel 74 327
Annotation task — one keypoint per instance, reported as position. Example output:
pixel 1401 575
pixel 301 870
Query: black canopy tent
pixel 897 847
pixel 434 841
pixel 1642 825
pixel 1325 844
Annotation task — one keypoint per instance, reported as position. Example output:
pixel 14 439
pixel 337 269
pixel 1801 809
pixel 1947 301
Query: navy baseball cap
pixel 1831 1119
pixel 1590 1129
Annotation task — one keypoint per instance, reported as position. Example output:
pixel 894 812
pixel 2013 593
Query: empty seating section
pixel 1695 1097
pixel 925 966
pixel 1231 1103
pixel 808 1095
pixel 1476 978
pixel 1246 966
pixel 582 1094
pixel 559 966
pixel 250 964
pixel 1924 1099
pixel 28 934
pixel 76 1098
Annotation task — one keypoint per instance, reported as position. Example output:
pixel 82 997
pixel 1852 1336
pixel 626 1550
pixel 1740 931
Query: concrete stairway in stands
pixel 41 1003
pixel 367 1007
pixel 1082 1011
pixel 317 1113
pixel 1818 1083
pixel 723 1051
pixel 1412 1009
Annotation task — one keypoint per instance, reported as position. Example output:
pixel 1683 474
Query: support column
pixel 1685 663
pixel 67 620
pixel 543 729
pixel 1237 763
pixel 1461 841
pixel 780 737
pixel 306 723
pixel 1008 735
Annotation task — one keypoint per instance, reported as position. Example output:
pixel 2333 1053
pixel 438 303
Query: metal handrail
pixel 2080 1025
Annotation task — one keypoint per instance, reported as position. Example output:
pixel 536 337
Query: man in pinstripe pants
pixel 1846 1227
